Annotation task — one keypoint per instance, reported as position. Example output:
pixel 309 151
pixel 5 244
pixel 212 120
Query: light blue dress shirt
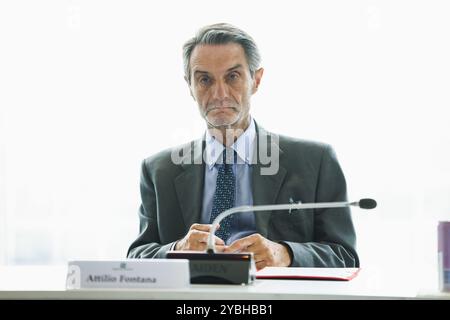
pixel 243 223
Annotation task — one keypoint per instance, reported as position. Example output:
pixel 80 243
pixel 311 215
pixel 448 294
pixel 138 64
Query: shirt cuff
pixel 172 247
pixel 290 251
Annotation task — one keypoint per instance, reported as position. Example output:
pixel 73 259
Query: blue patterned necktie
pixel 224 195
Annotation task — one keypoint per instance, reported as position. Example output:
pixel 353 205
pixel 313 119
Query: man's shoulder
pixel 296 146
pixel 172 157
pixel 303 153
pixel 293 144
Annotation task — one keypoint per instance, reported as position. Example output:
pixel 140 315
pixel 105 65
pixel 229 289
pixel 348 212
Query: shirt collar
pixel 243 146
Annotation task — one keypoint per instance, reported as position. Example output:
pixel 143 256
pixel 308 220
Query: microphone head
pixel 367 203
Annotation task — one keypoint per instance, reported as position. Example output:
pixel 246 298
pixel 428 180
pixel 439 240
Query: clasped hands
pixel 265 252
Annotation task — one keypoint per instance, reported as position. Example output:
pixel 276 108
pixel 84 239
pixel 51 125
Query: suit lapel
pixel 189 184
pixel 265 187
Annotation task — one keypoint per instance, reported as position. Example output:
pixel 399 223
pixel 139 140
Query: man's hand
pixel 197 238
pixel 266 253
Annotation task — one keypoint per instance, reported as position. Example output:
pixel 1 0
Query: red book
pixel 339 274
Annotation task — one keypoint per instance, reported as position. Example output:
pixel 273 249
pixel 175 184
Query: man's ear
pixel 190 90
pixel 257 79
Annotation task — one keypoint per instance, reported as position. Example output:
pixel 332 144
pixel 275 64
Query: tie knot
pixel 229 156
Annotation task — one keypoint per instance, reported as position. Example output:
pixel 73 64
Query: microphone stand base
pixel 218 268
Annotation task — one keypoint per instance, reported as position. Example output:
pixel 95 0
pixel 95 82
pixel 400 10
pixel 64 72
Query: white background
pixel 90 88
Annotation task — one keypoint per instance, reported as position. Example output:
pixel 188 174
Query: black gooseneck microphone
pixel 212 267
pixel 363 204
pixel 367 203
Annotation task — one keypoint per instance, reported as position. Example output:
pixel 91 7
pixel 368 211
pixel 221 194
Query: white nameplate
pixel 129 273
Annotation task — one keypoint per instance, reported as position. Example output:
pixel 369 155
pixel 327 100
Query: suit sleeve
pixel 334 235
pixel 147 245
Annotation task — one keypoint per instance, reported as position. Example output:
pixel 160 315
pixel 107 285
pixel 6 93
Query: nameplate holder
pixel 127 274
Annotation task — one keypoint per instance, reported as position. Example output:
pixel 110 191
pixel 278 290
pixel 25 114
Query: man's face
pixel 222 85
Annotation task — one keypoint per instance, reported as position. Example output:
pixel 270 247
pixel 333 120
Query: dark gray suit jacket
pixel 308 172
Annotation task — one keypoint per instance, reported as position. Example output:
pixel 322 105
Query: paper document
pixel 342 274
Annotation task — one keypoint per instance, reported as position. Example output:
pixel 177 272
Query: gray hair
pixel 222 33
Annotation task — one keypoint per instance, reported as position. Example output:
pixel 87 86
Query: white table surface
pixel 48 282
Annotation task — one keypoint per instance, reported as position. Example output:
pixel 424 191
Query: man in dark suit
pixel 236 163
